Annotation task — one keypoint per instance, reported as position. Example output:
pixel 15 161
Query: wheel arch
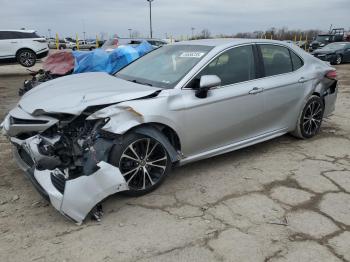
pixel 164 134
pixel 25 48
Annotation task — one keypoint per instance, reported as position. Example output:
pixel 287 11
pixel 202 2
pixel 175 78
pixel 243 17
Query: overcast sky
pixel 174 17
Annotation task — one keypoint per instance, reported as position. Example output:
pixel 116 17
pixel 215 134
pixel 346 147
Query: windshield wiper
pixel 141 83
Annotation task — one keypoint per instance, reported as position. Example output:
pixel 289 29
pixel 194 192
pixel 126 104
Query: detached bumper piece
pixel 77 197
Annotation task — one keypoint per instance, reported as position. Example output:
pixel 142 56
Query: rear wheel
pixel 143 161
pixel 310 119
pixel 26 57
pixel 338 60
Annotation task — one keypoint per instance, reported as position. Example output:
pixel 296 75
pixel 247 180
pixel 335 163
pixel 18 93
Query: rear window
pixel 17 35
pixel 296 60
pixel 276 60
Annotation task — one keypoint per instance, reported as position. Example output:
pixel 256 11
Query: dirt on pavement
pixel 282 200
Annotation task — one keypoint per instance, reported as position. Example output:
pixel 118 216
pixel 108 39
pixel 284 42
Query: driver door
pixel 230 113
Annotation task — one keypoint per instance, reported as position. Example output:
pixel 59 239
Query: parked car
pixel 111 44
pixel 23 46
pixel 336 35
pixel 83 137
pixel 61 44
pixel 84 45
pixel 335 53
pixel 70 42
pixel 303 44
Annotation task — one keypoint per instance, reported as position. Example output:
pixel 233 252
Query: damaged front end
pixel 66 158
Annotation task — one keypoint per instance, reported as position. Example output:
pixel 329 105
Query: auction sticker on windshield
pixel 192 54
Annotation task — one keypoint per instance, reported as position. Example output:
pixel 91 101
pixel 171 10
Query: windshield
pixel 334 46
pixel 164 67
pixel 322 38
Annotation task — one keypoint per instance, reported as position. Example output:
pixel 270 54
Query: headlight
pixel 322 44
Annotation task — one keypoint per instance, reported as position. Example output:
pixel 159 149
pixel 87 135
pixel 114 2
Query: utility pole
pixel 192 29
pixel 130 32
pixel 150 17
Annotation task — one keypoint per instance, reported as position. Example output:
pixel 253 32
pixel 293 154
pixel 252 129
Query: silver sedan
pixel 83 137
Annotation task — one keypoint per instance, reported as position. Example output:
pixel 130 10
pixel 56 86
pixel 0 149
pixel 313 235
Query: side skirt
pixel 234 146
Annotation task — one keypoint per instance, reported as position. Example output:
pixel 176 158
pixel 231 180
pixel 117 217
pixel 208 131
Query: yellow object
pixel 301 37
pixel 57 44
pixel 295 38
pixel 77 41
pixel 97 42
pixel 305 41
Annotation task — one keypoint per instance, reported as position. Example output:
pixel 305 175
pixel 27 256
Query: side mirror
pixel 206 82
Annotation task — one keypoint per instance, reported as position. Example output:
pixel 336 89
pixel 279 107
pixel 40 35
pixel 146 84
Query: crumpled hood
pixel 72 94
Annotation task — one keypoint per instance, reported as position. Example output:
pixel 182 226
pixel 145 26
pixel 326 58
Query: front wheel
pixel 26 58
pixel 143 161
pixel 310 119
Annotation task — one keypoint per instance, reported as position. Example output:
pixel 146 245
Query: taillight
pixel 40 40
pixel 332 74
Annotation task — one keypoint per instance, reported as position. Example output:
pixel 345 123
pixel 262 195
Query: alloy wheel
pixel 339 60
pixel 143 163
pixel 27 58
pixel 313 118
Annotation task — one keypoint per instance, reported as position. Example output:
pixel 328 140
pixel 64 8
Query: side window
pixel 276 60
pixel 4 35
pixel 297 62
pixel 233 66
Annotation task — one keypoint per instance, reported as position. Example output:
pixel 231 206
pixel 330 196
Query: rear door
pixel 283 86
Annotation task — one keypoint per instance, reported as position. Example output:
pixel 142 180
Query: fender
pixel 125 119
pixel 154 133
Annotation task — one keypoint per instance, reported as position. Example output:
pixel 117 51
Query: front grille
pixel 58 181
pixel 18 121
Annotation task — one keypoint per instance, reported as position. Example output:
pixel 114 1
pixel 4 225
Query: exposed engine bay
pixel 68 162
pixel 74 147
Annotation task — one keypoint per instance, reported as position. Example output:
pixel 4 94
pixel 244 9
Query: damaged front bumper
pixel 74 198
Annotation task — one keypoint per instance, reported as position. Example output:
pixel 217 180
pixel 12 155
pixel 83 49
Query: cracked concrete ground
pixel 282 200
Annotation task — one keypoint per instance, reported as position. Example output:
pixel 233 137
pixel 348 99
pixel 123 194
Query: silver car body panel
pixel 229 118
pixel 80 194
pixel 74 93
pixel 83 193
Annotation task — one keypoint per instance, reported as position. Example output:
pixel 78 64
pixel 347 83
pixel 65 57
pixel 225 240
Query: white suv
pixel 24 46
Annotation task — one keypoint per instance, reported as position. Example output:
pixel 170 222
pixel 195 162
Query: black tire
pixel 74 48
pixel 139 182
pixel 338 59
pixel 26 57
pixel 310 119
pixel 91 48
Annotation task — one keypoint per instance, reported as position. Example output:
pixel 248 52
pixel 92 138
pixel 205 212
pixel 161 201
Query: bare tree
pixel 205 33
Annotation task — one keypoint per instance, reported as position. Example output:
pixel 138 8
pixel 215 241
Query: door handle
pixel 256 90
pixel 302 80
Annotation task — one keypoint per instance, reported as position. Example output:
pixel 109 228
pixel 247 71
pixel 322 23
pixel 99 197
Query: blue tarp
pixel 99 60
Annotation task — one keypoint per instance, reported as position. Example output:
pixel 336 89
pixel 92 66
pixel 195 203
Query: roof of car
pixel 225 41
pixel 22 31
